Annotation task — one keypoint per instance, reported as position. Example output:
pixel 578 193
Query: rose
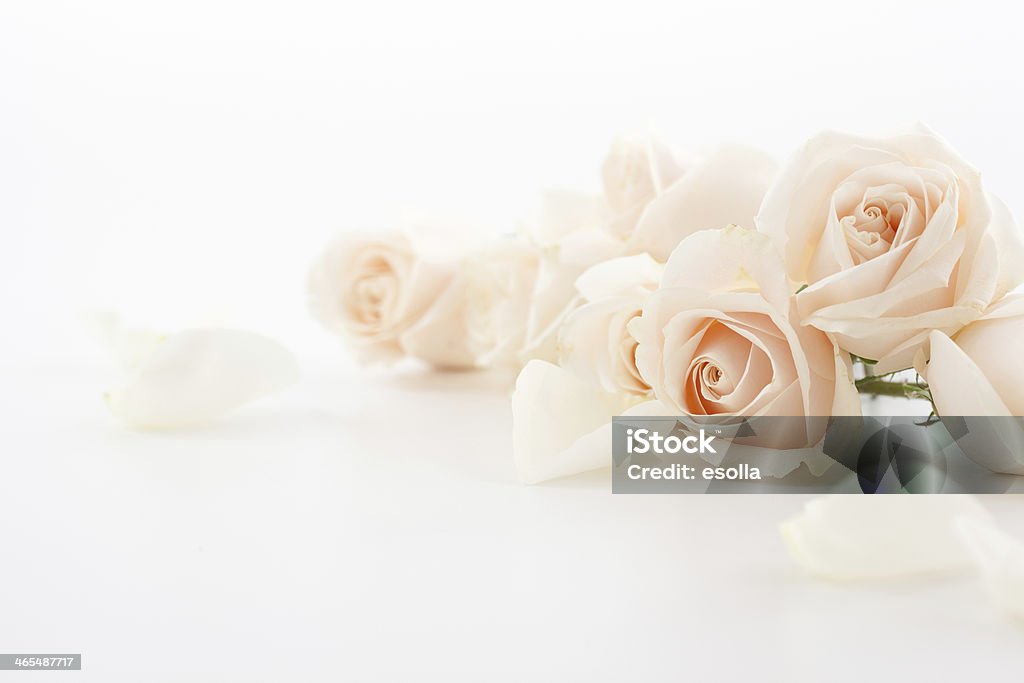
pixel 654 200
pixel 650 202
pixel 720 337
pixel 497 283
pixel 563 255
pixel 635 171
pixel 379 294
pixel 975 373
pixel 594 340
pixel 894 237
pixel 730 280
pixel 392 297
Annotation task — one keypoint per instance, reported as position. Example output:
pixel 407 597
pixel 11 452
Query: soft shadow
pixel 426 380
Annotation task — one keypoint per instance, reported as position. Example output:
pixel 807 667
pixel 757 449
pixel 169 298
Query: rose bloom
pixel 654 199
pixel 976 374
pixel 594 341
pixel 554 295
pixel 894 237
pixel 380 295
pixel 651 200
pixel 720 337
pixel 497 282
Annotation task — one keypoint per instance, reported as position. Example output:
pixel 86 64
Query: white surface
pixel 333 534
pixel 187 160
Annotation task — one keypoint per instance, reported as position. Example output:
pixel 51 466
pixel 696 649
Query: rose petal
pixel 873 537
pixel 731 259
pixel 724 188
pixel 958 386
pixel 441 335
pixel 554 295
pixel 1009 242
pixel 589 344
pixel 501 277
pixel 624 276
pixel 1009 306
pixel 1000 560
pixel 198 375
pixel 554 417
pixel 846 400
pixel 635 170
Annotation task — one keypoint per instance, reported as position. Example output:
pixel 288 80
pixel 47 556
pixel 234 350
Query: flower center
pixel 372 296
pixel 874 225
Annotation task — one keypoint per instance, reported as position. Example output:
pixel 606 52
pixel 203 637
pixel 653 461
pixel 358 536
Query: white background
pixel 183 161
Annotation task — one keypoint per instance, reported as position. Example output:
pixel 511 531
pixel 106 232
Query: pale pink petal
pixel 724 188
pixel 623 276
pixel 958 386
pixel 731 259
pixel 551 411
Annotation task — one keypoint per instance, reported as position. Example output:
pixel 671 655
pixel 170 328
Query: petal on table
pixel 1000 560
pixel 872 537
pixel 199 375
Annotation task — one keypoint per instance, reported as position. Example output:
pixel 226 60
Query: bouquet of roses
pixel 692 287
pixel 712 285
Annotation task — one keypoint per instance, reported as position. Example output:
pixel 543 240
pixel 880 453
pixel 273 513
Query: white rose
pixel 554 294
pixel 635 171
pixel 720 337
pixel 721 324
pixel 561 425
pixel 894 238
pixel 655 201
pixel 378 293
pixel 650 202
pixel 594 341
pixel 498 281
pixel 976 373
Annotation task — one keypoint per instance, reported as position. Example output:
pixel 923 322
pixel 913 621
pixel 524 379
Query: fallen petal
pixel 1000 559
pixel 198 375
pixel 873 537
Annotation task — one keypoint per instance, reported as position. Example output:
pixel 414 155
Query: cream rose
pixel 497 283
pixel 594 340
pixel 976 374
pixel 894 237
pixel 379 294
pixel 650 201
pixel 717 338
pixel 654 199
pixel 720 336
pixel 560 263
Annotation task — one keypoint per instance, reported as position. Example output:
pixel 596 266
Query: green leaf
pixel 802 288
pixel 866 361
